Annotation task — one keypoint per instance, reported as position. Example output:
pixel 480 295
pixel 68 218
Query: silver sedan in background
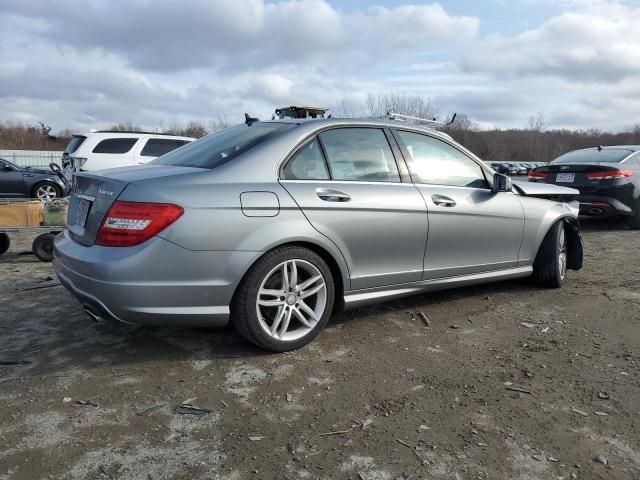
pixel 274 225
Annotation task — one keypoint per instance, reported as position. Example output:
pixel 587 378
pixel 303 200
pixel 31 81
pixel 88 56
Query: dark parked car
pixel 504 168
pixel 608 179
pixel 25 182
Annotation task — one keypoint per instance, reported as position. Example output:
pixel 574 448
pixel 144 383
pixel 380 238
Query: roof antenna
pixel 249 120
pixel 599 148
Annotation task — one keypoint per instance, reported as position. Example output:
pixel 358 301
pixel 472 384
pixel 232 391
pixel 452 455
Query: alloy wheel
pixel 562 254
pixel 46 192
pixel 291 300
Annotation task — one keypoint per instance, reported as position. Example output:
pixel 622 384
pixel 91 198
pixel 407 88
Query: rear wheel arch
pixel 337 272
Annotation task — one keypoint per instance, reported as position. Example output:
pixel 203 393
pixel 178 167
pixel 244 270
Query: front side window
pixel 307 164
pixel 156 147
pixel 115 145
pixel 359 154
pixel 435 162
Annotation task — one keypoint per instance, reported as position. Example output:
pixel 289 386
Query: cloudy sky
pixel 91 63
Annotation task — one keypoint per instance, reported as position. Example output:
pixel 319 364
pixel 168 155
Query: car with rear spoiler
pixel 608 179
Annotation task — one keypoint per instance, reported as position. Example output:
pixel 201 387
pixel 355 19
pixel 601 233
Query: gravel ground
pixel 510 381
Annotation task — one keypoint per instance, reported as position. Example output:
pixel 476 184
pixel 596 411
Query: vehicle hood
pixel 544 190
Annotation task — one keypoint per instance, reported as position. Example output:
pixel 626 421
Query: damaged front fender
pixel 575 252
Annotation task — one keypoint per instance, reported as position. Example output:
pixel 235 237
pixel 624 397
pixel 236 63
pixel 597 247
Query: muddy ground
pixel 377 396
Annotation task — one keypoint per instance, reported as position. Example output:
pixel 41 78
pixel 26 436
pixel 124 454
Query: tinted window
pixel 360 154
pixel 74 143
pixel 307 164
pixel 115 145
pixel 220 147
pixel 592 155
pixel 159 146
pixel 435 162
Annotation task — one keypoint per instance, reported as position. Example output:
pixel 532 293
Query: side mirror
pixel 7 168
pixel 501 183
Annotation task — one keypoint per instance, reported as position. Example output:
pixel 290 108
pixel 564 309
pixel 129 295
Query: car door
pixel 347 183
pixel 471 228
pixel 11 181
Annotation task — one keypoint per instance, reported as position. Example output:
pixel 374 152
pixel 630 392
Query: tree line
pixel 534 142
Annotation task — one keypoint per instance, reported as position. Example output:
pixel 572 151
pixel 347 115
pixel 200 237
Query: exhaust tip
pixel 595 211
pixel 94 316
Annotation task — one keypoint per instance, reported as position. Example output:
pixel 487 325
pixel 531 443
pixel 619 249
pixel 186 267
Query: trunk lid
pixel 93 194
pixel 575 175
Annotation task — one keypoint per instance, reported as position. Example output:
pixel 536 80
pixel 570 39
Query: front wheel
pixel 284 300
pixel 550 266
pixel 46 191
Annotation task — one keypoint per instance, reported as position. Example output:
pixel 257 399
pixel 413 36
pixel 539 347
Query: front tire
pixel 285 299
pixel 634 221
pixel 46 191
pixel 550 266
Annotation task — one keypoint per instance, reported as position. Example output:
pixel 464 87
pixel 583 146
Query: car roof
pixel 312 124
pixel 631 148
pixel 129 134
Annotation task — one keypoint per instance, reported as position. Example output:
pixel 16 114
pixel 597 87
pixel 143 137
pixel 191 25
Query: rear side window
pixel 359 154
pixel 156 147
pixel 74 143
pixel 115 145
pixel 435 162
pixel 307 164
pixel 223 146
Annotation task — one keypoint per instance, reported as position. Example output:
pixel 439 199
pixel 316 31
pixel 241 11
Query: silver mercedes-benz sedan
pixel 274 225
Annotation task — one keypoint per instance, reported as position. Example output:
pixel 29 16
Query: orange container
pixel 20 214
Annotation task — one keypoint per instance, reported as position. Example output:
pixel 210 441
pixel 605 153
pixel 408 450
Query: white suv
pixel 98 150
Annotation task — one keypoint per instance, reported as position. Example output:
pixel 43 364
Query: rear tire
pixel 43 247
pixel 5 243
pixel 634 221
pixel 550 266
pixel 285 299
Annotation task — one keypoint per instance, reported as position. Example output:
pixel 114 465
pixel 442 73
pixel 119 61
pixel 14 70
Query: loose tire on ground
pixel 43 247
pixel 257 301
pixel 550 266
pixel 5 243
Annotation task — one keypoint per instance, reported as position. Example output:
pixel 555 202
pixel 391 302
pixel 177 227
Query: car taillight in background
pixel 609 174
pixel 131 223
pixel 538 175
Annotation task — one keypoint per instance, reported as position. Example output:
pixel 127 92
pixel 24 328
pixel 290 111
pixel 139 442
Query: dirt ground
pixel 377 396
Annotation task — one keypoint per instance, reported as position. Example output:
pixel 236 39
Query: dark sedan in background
pixel 608 179
pixel 25 182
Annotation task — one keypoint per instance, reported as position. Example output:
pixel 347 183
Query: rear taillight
pixel 609 174
pixel 130 223
pixel 538 175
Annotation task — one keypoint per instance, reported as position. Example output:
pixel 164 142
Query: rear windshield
pixel 592 155
pixel 222 146
pixel 74 143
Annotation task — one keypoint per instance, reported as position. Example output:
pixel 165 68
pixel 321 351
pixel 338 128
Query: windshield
pixel 222 146
pixel 592 155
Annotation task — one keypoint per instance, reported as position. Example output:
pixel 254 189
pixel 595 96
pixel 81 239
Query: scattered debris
pixel 545 330
pixel 256 438
pixel 424 318
pixel 289 398
pixel 224 403
pixel 518 389
pixel 603 395
pixel 601 459
pixel 185 409
pixel 601 414
pixel 482 444
pixel 454 327
pixel 150 410
pixel 552 459
pixel 88 403
pixel 340 432
pixel 66 399
pixel 14 362
pixel 528 324
pixel 538 457
pixel 424 427
pixel 403 443
pixel 579 412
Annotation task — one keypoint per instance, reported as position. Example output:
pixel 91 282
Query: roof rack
pixel 429 121
pixel 299 112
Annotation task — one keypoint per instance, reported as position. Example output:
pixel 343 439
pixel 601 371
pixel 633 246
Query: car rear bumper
pixel 156 283
pixel 602 205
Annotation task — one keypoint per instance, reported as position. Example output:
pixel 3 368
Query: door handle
pixel 443 201
pixel 329 195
